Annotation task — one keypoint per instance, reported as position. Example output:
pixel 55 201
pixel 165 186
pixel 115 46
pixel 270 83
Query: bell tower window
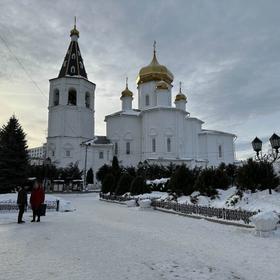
pixel 72 69
pixel 56 97
pixel 72 97
pixel 87 99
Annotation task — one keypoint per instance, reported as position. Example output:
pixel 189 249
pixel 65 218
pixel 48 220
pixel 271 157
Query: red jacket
pixel 37 198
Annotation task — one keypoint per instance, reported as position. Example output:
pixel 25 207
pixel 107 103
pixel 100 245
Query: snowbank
pixel 64 205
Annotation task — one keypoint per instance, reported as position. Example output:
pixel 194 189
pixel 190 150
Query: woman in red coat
pixel 37 198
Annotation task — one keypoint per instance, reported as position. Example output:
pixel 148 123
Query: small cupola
pixel 180 99
pixel 126 97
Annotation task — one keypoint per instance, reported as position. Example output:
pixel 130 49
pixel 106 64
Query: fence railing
pixel 12 207
pixel 189 209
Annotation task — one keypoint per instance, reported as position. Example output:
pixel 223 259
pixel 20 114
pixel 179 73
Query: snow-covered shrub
pixel 232 200
pixel 265 221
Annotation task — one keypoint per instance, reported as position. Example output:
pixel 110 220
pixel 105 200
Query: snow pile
pixel 145 203
pixel 131 203
pixel 265 221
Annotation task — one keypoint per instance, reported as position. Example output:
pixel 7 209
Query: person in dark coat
pixel 37 198
pixel 22 203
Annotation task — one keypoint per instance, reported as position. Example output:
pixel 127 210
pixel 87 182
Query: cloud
pixel 225 53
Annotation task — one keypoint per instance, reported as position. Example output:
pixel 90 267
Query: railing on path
pixel 12 207
pixel 189 209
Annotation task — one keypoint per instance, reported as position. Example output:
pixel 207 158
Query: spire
pixel 73 62
pixel 180 87
pixel 74 31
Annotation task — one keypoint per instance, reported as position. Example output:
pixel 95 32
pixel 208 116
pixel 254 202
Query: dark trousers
pixel 20 212
pixel 36 212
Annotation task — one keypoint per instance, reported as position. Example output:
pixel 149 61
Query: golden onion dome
pixel 154 72
pixel 126 92
pixel 180 96
pixel 162 85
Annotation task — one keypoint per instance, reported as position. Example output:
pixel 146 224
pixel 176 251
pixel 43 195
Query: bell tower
pixel 71 108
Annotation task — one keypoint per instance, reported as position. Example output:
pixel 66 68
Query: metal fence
pixel 189 209
pixel 12 207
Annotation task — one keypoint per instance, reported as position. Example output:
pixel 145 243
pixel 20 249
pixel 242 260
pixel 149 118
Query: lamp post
pixel 86 145
pixel 269 158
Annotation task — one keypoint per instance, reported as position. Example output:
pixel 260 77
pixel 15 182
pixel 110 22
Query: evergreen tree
pixel 108 183
pixel 124 183
pixel 89 177
pixel 13 156
pixel 139 186
pixel 102 172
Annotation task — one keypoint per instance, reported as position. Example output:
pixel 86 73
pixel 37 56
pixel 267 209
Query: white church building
pixel 156 132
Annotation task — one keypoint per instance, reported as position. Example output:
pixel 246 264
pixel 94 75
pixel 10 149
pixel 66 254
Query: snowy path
pixel 109 241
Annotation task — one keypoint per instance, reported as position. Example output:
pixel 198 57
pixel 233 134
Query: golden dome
pixel 180 96
pixel 154 72
pixel 162 85
pixel 126 92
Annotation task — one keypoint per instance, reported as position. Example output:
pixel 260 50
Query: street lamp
pixel 275 145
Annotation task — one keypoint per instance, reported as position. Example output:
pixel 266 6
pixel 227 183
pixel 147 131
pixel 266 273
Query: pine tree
pixel 89 178
pixel 13 156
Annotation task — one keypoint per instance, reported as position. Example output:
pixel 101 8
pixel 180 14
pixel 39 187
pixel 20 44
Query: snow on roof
pixel 215 132
pixel 98 140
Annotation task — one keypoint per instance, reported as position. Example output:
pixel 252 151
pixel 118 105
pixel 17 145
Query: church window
pixel 65 62
pixel 168 145
pixel 154 145
pixel 81 65
pixel 72 97
pixel 220 151
pixel 87 99
pixel 147 100
pixel 128 148
pixel 56 97
pixel 73 56
pixel 53 153
pixel 116 148
pixel 101 155
pixel 72 69
pixel 67 153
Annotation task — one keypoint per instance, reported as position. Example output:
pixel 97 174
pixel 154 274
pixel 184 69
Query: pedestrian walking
pixel 22 203
pixel 37 198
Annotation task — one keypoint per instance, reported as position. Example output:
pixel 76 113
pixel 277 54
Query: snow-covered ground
pixel 105 241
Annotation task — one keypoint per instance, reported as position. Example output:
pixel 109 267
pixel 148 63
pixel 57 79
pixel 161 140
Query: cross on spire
pixel 75 21
pixel 126 82
pixel 154 45
pixel 180 85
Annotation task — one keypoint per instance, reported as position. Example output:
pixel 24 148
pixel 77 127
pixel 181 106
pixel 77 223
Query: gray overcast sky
pixel 226 53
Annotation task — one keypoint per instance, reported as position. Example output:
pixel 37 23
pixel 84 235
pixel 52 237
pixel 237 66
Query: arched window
pixel 81 65
pixel 72 69
pixel 55 97
pixel 147 100
pixel 153 145
pixel 128 148
pixel 73 56
pixel 65 62
pixel 168 142
pixel 72 97
pixel 87 99
pixel 220 151
pixel 116 149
